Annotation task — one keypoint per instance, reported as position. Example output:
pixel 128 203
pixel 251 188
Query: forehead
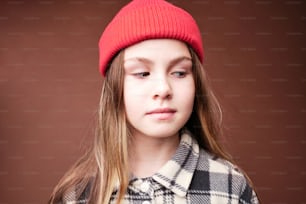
pixel 164 49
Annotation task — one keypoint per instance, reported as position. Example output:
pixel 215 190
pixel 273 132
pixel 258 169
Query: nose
pixel 162 88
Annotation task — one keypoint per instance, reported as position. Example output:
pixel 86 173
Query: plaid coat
pixel 192 176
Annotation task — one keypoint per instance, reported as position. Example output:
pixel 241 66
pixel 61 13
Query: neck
pixel 149 154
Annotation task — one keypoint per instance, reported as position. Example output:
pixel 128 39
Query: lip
pixel 161 110
pixel 162 113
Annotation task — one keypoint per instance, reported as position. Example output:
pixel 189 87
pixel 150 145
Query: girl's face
pixel 159 87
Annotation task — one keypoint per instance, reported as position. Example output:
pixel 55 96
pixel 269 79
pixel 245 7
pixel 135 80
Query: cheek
pixel 133 97
pixel 186 93
pixel 190 99
pixel 135 90
pixel 128 99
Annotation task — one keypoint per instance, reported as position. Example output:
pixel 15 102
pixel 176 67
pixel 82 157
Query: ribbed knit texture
pixel 147 19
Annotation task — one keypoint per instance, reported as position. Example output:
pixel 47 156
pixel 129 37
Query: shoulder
pixel 221 177
pixel 78 194
pixel 213 164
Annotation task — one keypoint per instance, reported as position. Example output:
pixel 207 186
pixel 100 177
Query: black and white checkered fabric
pixel 192 176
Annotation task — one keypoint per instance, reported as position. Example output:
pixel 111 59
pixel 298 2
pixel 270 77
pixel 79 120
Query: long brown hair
pixel 105 165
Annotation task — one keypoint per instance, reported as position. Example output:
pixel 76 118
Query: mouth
pixel 162 113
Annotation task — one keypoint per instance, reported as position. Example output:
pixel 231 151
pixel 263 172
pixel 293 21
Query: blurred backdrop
pixel 255 55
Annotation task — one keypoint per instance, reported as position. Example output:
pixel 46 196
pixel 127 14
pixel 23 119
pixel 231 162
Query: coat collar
pixel 177 173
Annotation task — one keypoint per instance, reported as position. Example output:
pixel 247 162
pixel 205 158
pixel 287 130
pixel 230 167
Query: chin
pixel 158 133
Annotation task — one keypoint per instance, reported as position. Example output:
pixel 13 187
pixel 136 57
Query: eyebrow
pixel 171 63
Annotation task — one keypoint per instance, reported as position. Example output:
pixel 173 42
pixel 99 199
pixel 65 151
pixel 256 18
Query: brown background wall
pixel 50 86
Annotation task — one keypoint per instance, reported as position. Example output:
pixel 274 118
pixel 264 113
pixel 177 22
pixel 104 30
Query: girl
pixel 156 138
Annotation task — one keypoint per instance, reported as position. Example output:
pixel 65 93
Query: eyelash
pixel 141 74
pixel 178 74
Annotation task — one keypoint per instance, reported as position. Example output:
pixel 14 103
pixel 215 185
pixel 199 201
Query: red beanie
pixel 147 19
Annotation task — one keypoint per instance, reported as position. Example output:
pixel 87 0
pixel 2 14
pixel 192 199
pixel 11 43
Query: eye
pixel 141 74
pixel 179 74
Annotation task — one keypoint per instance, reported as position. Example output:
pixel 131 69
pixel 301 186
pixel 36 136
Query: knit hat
pixel 141 20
